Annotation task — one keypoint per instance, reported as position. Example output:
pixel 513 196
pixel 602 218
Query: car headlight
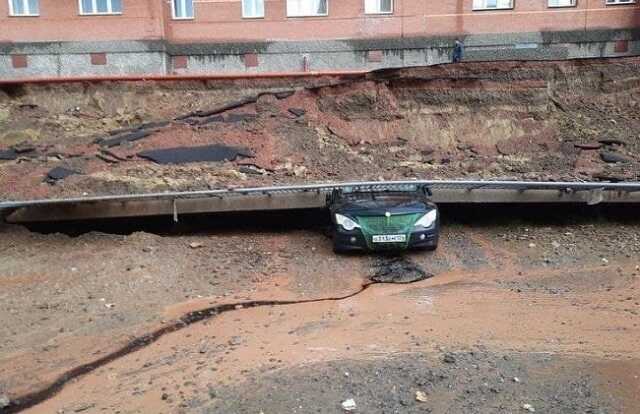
pixel 346 222
pixel 428 219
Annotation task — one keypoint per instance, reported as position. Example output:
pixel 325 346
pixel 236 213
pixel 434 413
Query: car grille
pixel 397 224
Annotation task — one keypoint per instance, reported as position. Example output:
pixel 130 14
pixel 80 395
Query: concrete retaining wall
pixel 63 59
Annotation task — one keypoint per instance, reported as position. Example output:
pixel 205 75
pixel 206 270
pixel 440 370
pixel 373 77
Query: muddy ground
pixel 517 315
pixel 572 120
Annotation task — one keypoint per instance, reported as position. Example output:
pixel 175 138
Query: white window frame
pixel 246 16
pixel 25 5
pixel 379 11
pixel 510 7
pixel 619 2
pixel 307 15
pixel 572 3
pixel 173 10
pixel 94 6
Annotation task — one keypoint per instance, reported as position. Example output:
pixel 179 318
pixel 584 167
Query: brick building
pixel 46 38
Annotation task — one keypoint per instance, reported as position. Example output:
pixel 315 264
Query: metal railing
pixel 522 186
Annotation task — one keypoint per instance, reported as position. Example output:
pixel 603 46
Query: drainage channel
pixel 387 270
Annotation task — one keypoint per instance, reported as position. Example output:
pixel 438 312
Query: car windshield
pixel 373 200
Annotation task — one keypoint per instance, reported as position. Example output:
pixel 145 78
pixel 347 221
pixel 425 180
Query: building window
pixel 100 6
pixel 378 6
pixel 621 1
pixel 301 8
pixel 492 4
pixel 182 9
pixel 24 7
pixel 252 9
pixel 562 3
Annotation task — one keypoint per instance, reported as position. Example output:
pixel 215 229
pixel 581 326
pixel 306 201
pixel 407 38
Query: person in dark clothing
pixel 458 51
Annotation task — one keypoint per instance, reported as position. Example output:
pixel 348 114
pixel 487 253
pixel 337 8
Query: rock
pixel 555 244
pixel 83 407
pixel 528 407
pixel 613 157
pixel 297 111
pixel 23 147
pixel 589 146
pixel 508 147
pixel 8 154
pixel 299 170
pixel 59 173
pixel 611 141
pixel 421 396
pixel 349 405
pixel 147 249
pixel 284 94
pixel 516 379
pixel 605 261
pixel 449 358
pixel 532 245
pixel 4 401
pixel 196 245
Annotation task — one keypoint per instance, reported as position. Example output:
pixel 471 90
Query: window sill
pixel 563 7
pixel 24 15
pixel 100 14
pixel 252 17
pixel 494 9
pixel 620 4
pixel 183 18
pixel 379 14
pixel 307 15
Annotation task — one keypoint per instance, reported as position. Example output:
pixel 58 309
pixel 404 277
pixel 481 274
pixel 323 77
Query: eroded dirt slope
pixel 574 120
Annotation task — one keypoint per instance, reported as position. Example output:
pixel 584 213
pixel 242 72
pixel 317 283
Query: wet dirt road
pixel 516 317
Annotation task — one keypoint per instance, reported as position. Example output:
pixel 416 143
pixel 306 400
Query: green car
pixel 387 219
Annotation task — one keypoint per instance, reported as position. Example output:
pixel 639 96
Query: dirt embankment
pixel 532 120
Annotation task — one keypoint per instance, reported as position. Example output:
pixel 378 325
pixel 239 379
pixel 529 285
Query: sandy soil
pixel 555 306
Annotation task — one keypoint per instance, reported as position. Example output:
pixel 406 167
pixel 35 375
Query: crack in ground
pixel 37 397
pixel 388 268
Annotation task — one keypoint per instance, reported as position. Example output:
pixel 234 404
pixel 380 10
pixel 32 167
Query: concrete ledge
pixel 156 57
pixel 293 201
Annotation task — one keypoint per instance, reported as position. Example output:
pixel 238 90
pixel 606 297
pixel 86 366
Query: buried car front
pixel 388 219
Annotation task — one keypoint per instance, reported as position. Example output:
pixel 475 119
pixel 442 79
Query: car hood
pixel 358 209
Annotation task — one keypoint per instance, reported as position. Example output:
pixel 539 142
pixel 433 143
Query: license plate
pixel 390 238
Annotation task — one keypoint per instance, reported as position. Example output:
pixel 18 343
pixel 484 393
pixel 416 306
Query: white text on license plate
pixel 390 238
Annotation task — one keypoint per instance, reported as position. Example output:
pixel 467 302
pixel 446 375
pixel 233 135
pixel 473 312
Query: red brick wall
pixel 221 20
pixel 60 20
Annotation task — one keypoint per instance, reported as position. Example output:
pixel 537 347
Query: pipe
pixel 194 77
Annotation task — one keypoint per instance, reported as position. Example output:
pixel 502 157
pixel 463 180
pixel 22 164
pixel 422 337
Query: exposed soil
pixel 574 120
pixel 553 305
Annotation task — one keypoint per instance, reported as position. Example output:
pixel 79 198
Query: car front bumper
pixel 356 241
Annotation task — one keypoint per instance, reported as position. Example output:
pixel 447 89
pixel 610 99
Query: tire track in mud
pixel 386 270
